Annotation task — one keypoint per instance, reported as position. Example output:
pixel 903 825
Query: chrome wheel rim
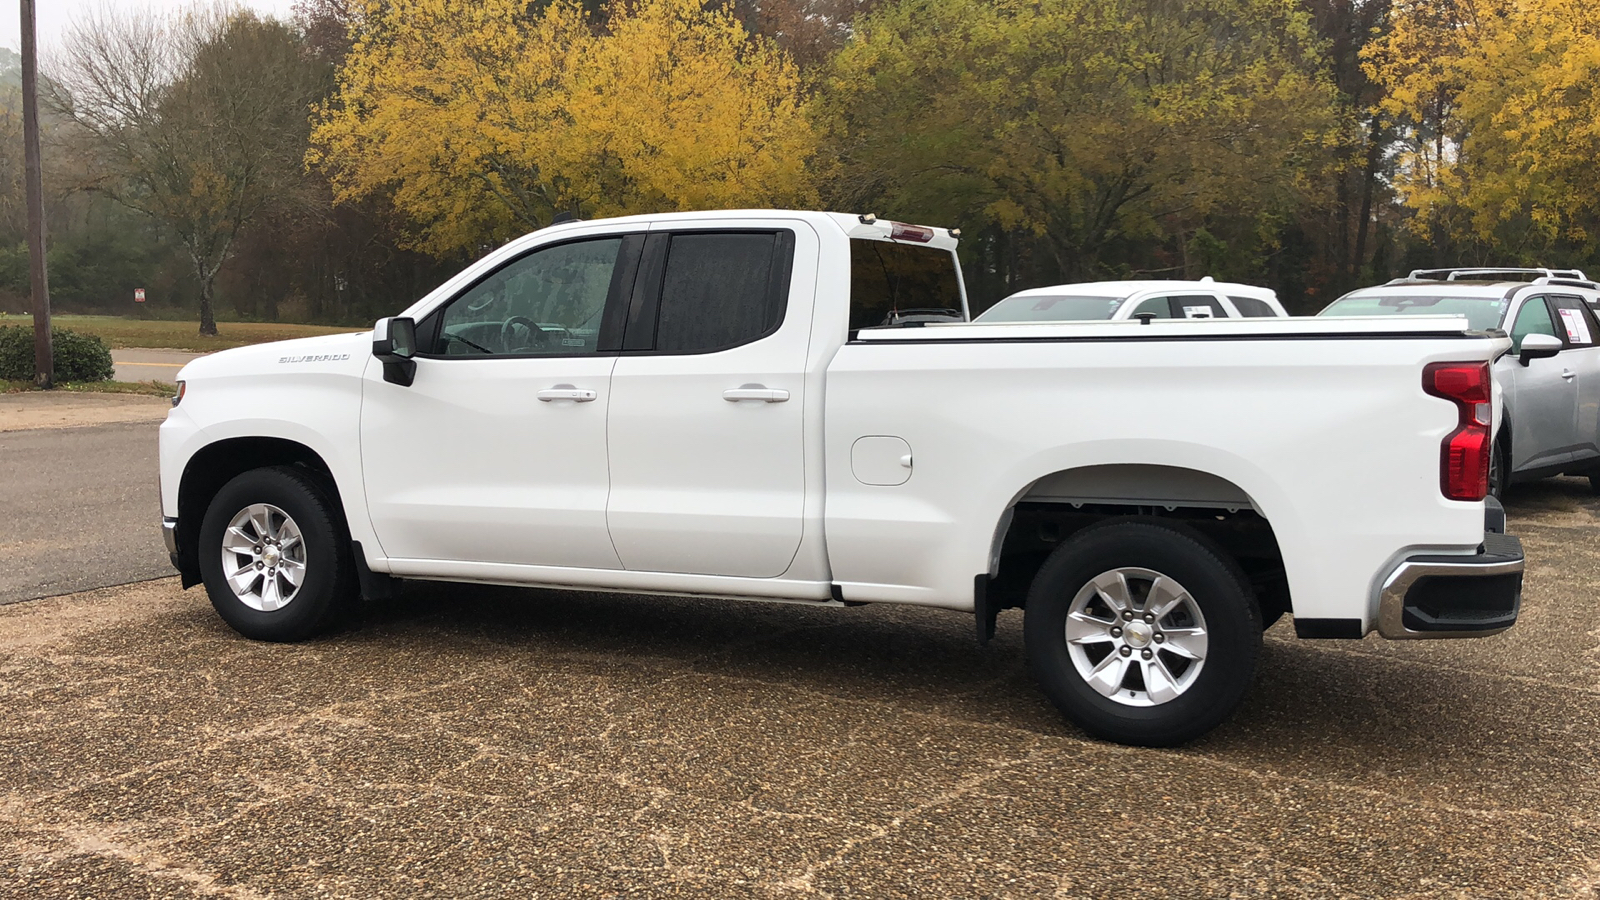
pixel 1136 636
pixel 263 557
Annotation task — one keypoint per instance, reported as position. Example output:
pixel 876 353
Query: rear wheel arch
pixel 1053 508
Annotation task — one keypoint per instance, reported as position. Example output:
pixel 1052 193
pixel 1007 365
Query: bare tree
pixel 197 119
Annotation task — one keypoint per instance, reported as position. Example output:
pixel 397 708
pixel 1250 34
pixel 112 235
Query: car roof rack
pixel 1568 282
pixel 1495 273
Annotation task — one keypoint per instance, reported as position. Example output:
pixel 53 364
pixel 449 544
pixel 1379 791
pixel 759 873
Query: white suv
pixel 1203 299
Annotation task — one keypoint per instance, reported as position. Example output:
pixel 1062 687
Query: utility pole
pixel 44 374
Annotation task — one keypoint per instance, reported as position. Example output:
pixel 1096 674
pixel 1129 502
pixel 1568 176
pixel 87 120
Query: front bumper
pixel 169 534
pixel 1454 596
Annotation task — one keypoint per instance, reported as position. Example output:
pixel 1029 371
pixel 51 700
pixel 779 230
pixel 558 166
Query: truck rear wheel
pixel 1142 633
pixel 274 556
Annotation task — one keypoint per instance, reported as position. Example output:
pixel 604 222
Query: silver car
pixel 1551 378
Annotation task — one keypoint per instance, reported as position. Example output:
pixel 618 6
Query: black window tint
pixel 720 290
pixel 889 280
pixel 1251 308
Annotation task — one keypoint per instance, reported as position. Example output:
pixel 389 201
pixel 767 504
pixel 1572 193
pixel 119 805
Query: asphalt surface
pixel 150 365
pixel 480 742
pixel 79 506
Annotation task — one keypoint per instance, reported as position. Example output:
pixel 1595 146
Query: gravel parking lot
pixel 478 742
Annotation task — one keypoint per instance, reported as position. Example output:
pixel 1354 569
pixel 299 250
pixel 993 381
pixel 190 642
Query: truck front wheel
pixel 1142 633
pixel 274 555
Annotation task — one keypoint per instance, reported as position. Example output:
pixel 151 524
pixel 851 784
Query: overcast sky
pixel 55 15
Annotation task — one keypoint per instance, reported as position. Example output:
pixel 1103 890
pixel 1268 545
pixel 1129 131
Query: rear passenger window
pixel 1251 308
pixel 721 290
pixel 1575 321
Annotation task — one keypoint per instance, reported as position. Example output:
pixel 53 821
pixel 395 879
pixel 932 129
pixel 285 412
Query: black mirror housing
pixel 394 343
pixel 1538 346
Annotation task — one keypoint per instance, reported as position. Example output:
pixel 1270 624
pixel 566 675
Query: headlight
pixel 178 397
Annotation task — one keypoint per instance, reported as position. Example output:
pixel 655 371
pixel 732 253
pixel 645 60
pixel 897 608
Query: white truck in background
pixel 697 404
pixel 1118 300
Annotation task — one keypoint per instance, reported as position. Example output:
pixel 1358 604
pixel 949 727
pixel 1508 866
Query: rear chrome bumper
pixel 1454 596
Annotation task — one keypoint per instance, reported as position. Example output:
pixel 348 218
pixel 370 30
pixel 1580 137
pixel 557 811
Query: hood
pixel 329 352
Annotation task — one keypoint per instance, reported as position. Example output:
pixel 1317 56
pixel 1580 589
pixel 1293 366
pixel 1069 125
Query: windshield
pixel 1050 308
pixel 1483 313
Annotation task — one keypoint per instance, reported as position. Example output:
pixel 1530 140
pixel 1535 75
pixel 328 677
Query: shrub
pixel 78 357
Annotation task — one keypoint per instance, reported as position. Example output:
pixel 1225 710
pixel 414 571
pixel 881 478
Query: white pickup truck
pixel 695 404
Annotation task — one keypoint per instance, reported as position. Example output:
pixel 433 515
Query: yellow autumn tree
pixel 1502 113
pixel 484 120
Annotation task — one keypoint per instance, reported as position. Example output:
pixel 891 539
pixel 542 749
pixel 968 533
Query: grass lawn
pixel 118 332
pixel 148 388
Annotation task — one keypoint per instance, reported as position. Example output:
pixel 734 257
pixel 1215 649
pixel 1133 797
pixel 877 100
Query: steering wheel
pixel 540 338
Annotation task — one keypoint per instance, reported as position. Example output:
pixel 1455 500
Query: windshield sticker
pixel 1577 328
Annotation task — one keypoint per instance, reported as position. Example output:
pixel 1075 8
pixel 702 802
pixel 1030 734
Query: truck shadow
pixel 1318 709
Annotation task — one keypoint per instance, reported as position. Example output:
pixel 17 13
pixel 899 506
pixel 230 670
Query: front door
pixel 708 400
pixel 1544 395
pixel 496 453
pixel 1577 326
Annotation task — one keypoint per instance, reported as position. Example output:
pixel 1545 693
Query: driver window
pixel 548 303
pixel 1532 318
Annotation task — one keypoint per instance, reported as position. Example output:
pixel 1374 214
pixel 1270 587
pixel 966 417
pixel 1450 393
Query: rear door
pixel 1544 395
pixel 705 435
pixel 1577 326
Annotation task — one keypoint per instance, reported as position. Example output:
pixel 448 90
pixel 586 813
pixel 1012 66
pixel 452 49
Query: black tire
pixel 327 590
pixel 1217 586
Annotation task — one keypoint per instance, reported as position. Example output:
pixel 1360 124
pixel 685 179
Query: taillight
pixel 1464 456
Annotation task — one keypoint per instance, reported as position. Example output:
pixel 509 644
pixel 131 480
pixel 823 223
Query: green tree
pixel 1083 123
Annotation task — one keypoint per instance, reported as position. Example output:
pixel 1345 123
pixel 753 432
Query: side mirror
pixel 1538 346
pixel 394 342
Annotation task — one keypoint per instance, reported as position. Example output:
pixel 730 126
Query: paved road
pixel 150 365
pixel 79 507
pixel 476 742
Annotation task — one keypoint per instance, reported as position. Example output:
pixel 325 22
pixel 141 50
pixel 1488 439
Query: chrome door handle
pixel 565 392
pixel 755 392
pixel 1568 374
